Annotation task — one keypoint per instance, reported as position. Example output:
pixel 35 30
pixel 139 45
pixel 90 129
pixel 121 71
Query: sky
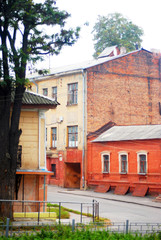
pixel 144 13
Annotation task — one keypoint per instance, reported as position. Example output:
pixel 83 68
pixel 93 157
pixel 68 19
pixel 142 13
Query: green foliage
pixel 65 232
pixel 24 35
pixel 116 30
pixel 55 208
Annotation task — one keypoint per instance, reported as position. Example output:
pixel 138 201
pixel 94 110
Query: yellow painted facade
pixel 64 115
pixel 32 124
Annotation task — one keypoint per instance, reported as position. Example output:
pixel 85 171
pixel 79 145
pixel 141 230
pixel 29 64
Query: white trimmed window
pixel 73 136
pixel 105 162
pixel 53 137
pixel 123 162
pixel 72 94
pixel 142 162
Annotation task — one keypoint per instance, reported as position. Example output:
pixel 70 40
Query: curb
pixel 111 199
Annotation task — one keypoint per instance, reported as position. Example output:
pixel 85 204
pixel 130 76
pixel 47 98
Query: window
pixel 73 136
pixel 72 94
pixel 123 162
pixel 45 91
pixel 54 93
pixel 142 162
pixel 53 137
pixel 105 162
pixel 53 169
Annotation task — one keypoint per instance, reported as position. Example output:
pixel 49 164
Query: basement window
pixel 53 169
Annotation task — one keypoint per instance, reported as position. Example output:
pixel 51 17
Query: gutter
pixel 37 87
pixel 83 153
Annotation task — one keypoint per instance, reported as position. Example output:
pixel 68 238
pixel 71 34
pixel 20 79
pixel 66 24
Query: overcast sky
pixel 144 13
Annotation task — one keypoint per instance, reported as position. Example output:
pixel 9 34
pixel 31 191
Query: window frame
pixel 69 135
pixel 103 163
pixel 72 94
pixel 120 162
pixel 55 140
pixel 138 162
pixel 54 95
pixel 46 92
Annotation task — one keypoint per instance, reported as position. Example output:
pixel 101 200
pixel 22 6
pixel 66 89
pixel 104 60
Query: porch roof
pixel 34 172
pixel 124 133
pixel 34 99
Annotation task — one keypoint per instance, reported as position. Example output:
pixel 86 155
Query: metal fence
pixel 119 227
pixel 82 215
pixel 25 211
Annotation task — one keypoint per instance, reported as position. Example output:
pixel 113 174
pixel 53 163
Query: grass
pixel 55 207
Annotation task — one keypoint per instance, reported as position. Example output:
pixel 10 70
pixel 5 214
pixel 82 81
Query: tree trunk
pixel 9 139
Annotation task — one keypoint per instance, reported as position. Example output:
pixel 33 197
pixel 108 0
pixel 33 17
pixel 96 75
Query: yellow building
pixel 31 164
pixel 65 126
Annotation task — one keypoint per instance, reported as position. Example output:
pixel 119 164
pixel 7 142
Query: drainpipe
pixel 37 87
pixel 83 153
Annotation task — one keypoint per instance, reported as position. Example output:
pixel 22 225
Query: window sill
pixel 105 172
pixel 71 104
pixel 71 147
pixel 142 174
pixel 123 173
pixel 53 148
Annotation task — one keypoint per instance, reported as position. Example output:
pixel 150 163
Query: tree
pixel 23 38
pixel 116 30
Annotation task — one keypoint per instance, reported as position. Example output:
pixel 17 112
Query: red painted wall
pixel 152 178
pixel 63 169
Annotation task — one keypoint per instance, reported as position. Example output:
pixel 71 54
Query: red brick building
pixel 126 158
pixel 124 88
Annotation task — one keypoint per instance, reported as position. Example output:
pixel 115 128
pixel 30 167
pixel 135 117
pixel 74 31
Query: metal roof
pixel 80 66
pixel 124 133
pixel 31 98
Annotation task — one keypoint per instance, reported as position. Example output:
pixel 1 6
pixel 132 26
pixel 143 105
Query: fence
pixel 40 211
pixel 121 227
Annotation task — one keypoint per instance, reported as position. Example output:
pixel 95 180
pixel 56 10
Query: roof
pixel 31 98
pixel 34 172
pixel 80 66
pixel 101 129
pixel 107 51
pixel 125 133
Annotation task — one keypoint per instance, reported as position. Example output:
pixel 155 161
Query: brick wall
pixel 125 90
pixel 153 177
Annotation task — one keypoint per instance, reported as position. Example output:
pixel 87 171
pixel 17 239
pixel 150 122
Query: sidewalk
pixel 128 198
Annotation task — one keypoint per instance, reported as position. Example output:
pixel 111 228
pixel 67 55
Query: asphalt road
pixel 114 210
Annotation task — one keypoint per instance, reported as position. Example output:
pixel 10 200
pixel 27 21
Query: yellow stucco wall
pixel 29 139
pixel 71 115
